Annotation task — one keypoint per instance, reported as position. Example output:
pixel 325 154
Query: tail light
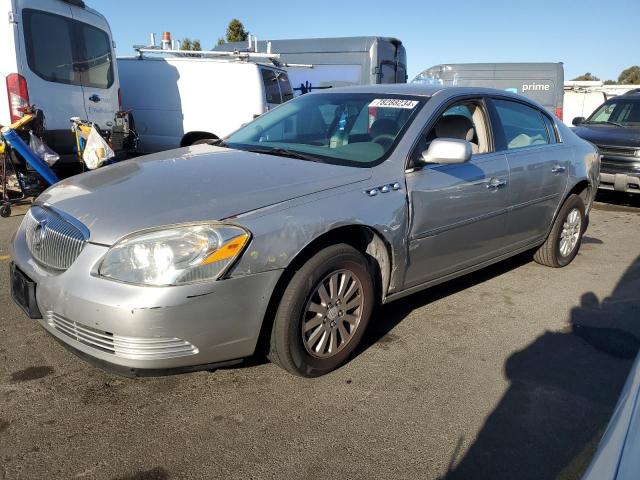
pixel 373 113
pixel 18 96
pixel 559 112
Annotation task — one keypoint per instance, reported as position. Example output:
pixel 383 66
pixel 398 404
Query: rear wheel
pixel 563 243
pixel 323 312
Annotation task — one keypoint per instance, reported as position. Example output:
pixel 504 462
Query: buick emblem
pixel 38 234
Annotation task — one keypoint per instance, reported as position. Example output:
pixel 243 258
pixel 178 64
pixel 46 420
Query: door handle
pixel 495 184
pixel 94 98
pixel 558 169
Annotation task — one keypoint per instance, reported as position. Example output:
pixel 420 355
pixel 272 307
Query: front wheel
pixel 564 240
pixel 5 210
pixel 323 312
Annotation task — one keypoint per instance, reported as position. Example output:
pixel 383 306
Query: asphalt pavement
pixel 512 372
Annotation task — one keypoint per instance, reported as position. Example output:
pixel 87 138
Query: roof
pixel 392 88
pixel 420 89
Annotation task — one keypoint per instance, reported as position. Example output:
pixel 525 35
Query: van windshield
pixel 355 129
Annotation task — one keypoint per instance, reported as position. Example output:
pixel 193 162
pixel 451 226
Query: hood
pixel 609 135
pixel 192 184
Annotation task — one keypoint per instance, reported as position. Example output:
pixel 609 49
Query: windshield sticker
pixel 393 103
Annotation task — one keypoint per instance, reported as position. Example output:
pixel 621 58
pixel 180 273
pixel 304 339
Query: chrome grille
pixel 54 240
pixel 126 347
pixel 606 150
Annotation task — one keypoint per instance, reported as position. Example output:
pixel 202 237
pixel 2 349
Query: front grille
pixel 126 347
pixel 606 150
pixel 54 240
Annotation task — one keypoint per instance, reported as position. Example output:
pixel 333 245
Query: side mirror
pixel 578 120
pixel 447 150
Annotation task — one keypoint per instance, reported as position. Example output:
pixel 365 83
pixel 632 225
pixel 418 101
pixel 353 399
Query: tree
pixel 587 77
pixel 630 76
pixel 610 82
pixel 186 44
pixel 236 31
pixel 220 41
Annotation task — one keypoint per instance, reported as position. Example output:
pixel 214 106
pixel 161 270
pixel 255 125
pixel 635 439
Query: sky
pixel 600 37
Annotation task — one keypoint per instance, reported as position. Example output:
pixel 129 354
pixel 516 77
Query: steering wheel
pixel 385 140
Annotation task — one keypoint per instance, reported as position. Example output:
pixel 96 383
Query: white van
pixel 179 100
pixel 58 56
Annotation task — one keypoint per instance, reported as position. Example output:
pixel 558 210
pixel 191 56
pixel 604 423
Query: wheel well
pixel 364 239
pixel 583 190
pixel 189 138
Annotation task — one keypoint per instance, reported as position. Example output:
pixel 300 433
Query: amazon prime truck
pixel 542 82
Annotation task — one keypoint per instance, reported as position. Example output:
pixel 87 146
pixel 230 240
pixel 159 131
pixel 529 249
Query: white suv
pixel 58 56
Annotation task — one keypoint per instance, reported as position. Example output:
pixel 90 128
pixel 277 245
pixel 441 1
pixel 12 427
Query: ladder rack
pixel 247 56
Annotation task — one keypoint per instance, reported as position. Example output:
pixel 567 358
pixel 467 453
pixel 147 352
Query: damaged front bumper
pixel 146 330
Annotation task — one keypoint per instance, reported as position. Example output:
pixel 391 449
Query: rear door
pixel 48 63
pixel 97 67
pixel 538 166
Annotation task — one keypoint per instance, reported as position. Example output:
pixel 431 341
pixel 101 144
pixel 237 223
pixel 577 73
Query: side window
pixel 551 129
pixel 271 89
pixel 465 120
pixel 523 126
pixel 285 87
pixel 49 43
pixel 97 64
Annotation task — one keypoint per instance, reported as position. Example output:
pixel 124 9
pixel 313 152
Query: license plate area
pixel 23 292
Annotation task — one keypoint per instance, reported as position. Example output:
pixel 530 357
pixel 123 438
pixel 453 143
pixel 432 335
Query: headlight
pixel 174 256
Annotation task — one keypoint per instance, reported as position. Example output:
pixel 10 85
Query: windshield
pixel 619 111
pixel 355 129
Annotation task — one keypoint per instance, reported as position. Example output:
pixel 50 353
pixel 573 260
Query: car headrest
pixel 455 126
pixel 384 126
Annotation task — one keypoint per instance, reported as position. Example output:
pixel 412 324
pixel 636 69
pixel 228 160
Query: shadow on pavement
pixel 563 388
pixel 386 317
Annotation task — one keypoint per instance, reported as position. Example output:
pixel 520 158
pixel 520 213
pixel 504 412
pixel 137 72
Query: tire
pixel 316 331
pixel 5 210
pixel 554 252
pixel 205 141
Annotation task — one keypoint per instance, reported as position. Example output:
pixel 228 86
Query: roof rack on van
pixel 247 56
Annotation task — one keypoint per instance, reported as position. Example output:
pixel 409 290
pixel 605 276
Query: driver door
pixel 458 212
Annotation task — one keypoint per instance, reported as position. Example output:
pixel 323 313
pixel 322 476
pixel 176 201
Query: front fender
pixel 280 234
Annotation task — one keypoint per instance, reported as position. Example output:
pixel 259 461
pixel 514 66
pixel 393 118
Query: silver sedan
pixel 283 237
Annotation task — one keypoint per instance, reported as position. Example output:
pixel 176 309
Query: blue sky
pixel 596 36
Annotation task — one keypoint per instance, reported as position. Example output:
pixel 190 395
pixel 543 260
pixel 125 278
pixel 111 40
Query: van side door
pixel 538 164
pixel 49 66
pixel 458 212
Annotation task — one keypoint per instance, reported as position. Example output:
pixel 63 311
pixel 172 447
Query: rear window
pixel 62 50
pixel 49 42
pixel 97 68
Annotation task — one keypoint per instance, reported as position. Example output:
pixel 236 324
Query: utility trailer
pixel 318 63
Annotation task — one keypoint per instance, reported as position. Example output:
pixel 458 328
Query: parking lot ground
pixel 512 372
